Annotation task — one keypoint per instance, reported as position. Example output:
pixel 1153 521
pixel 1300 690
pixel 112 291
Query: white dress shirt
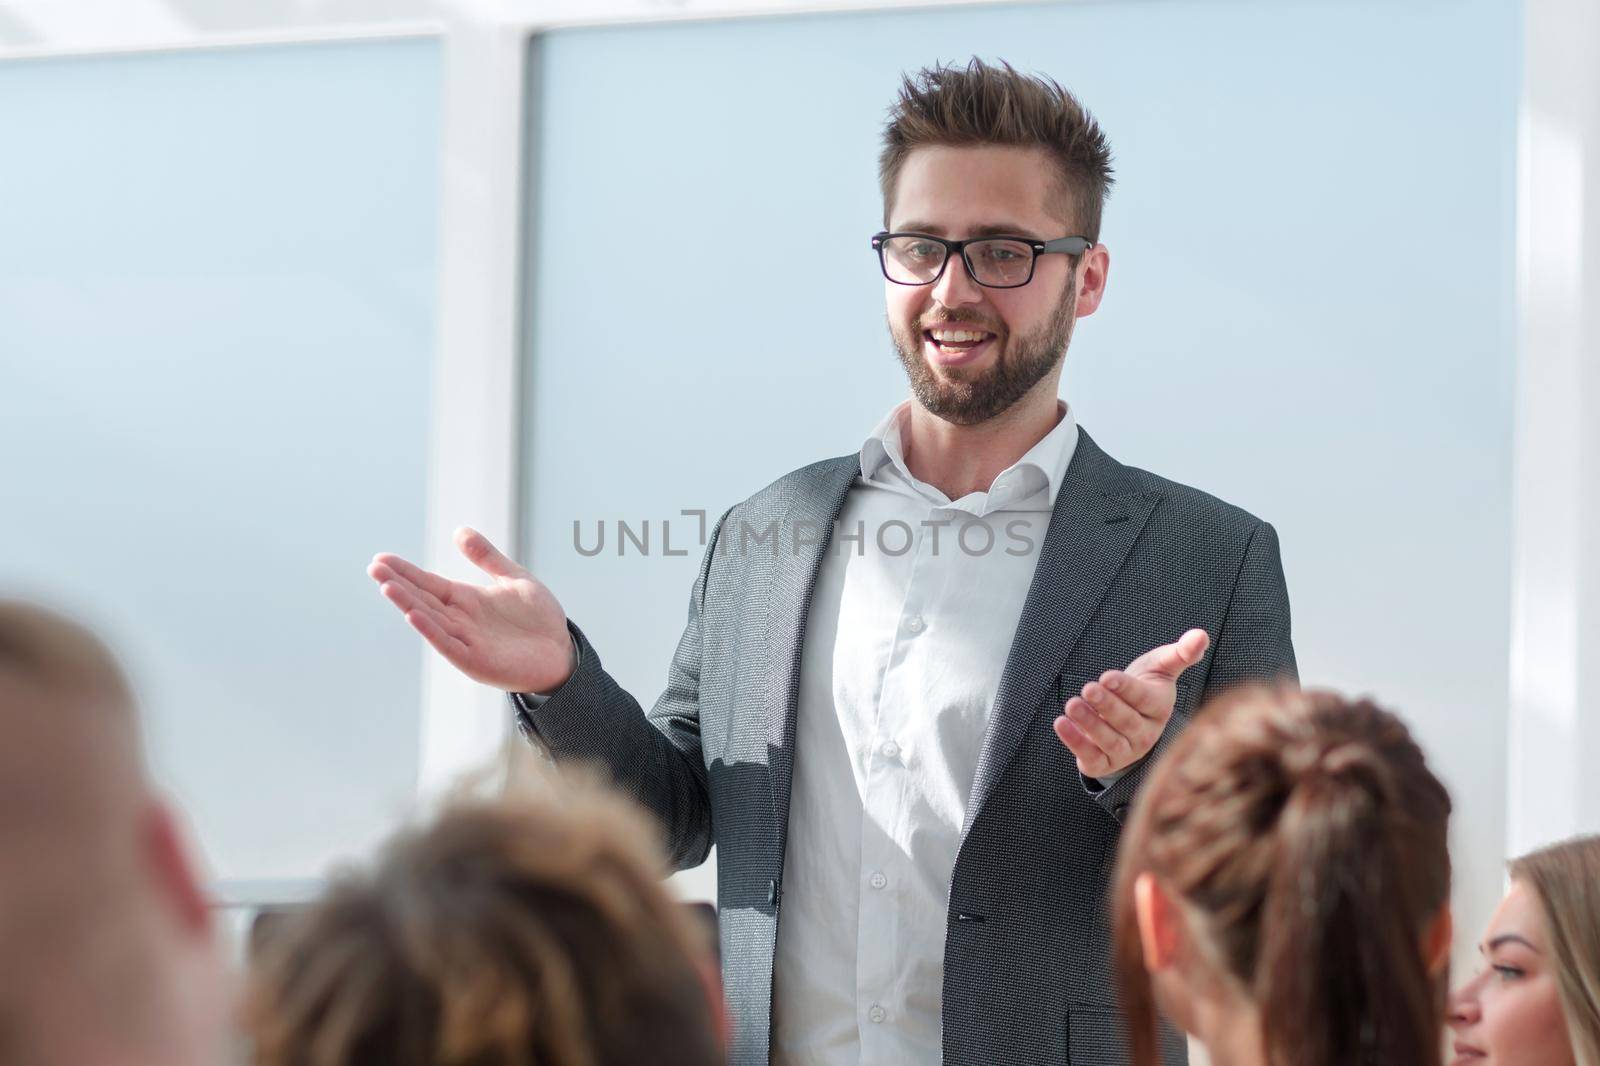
pixel 910 625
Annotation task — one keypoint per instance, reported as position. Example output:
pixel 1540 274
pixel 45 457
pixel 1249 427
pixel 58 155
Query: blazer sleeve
pixel 1252 644
pixel 654 757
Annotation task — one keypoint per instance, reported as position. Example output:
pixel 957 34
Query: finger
pixel 402 597
pixel 1151 699
pixel 1171 660
pixel 422 595
pixel 1114 710
pixel 387 563
pixel 1117 747
pixel 1091 760
pixel 485 556
pixel 409 604
pixel 445 644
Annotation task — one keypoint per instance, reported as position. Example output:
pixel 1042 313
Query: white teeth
pixel 949 336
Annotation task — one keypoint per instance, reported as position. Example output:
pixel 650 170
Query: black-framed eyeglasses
pixel 994 262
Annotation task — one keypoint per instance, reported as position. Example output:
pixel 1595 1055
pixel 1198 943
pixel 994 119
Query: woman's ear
pixel 1159 932
pixel 1436 943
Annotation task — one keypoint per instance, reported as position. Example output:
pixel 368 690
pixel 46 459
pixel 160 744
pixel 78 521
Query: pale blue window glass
pixel 217 275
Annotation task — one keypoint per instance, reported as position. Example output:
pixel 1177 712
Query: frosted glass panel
pixel 1309 309
pixel 216 316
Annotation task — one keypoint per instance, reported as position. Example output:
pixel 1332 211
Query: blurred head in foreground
pixel 532 929
pixel 1283 887
pixel 107 953
pixel 1536 1001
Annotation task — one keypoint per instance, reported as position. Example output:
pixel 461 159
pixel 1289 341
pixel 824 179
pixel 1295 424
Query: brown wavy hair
pixel 1566 878
pixel 1305 837
pixel 983 104
pixel 529 931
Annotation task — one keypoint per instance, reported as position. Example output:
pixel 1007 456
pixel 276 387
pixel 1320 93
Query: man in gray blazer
pixel 920 683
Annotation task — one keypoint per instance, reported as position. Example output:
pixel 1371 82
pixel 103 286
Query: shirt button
pixel 878 881
pixel 877 1013
pixel 890 749
pixel 915 623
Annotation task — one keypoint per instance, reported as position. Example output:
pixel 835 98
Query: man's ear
pixel 1436 942
pixel 175 879
pixel 1159 932
pixel 1092 276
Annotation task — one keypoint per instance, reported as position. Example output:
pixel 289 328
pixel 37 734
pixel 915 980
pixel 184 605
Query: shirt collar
pixel 1042 466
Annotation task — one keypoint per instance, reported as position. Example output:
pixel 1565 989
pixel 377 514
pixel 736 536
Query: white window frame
pixel 1553 790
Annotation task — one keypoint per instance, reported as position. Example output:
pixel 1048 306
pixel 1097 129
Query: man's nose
pixel 956 286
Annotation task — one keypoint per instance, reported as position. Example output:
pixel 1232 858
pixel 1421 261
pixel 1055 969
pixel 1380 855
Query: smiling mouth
pixel 954 344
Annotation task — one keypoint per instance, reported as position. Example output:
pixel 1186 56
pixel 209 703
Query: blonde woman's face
pixel 1509 1013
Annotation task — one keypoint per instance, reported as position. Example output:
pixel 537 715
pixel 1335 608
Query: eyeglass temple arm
pixel 1069 245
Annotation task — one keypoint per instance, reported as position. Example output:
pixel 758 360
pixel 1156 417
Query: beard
pixel 965 397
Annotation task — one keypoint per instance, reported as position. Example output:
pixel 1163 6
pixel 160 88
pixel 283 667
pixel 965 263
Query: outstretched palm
pixel 511 633
pixel 1117 719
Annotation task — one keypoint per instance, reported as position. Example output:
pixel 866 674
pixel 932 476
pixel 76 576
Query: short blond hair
pixel 1566 878
pixel 72 762
pixel 531 930
pixel 72 788
pixel 48 652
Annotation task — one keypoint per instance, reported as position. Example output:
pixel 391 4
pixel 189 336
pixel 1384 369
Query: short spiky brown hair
pixel 987 104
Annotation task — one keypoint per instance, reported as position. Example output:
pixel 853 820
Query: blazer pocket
pixel 1063 690
pixel 1095 1036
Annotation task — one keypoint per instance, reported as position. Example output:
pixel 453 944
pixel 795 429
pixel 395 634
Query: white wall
pixel 1555 648
pixel 1310 309
pixel 216 321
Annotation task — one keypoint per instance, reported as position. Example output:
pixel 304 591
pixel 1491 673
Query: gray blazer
pixel 1129 562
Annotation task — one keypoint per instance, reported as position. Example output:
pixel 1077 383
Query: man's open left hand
pixel 1116 720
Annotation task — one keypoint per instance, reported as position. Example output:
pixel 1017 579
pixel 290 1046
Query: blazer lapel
pixel 813 510
pixel 1096 519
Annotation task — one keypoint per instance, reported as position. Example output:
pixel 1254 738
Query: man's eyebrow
pixel 1511 938
pixel 997 229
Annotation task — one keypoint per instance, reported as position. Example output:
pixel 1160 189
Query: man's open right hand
pixel 511 633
